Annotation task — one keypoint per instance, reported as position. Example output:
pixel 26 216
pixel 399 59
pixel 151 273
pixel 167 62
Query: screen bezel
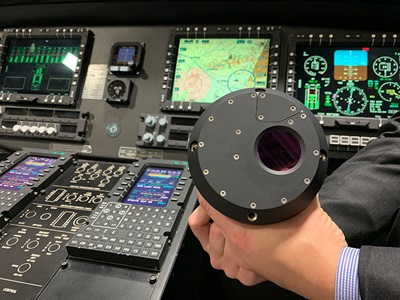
pixel 140 176
pixel 358 123
pixel 234 32
pixel 21 160
pixel 85 46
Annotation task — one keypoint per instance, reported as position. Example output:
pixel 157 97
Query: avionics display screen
pixel 40 66
pixel 154 187
pixel 349 81
pixel 125 55
pixel 208 69
pixel 24 172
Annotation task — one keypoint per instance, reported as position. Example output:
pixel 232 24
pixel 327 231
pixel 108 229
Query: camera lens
pixel 278 149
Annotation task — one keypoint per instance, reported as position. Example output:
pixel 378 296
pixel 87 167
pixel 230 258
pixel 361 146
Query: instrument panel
pixel 136 92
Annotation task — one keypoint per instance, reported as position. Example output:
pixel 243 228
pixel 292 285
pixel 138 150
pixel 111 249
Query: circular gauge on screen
pixel 350 101
pixel 315 65
pixel 385 66
pixel 389 91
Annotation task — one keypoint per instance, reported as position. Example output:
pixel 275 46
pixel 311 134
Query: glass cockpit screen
pixel 208 69
pixel 24 172
pixel 40 66
pixel 349 81
pixel 154 187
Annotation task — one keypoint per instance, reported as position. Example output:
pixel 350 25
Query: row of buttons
pixel 106 235
pixel 346 140
pixel 128 215
pixel 147 241
pixel 135 251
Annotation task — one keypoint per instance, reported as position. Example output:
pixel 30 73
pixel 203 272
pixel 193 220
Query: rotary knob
pixel 163 122
pixel 148 138
pixel 150 121
pixel 51 130
pixel 42 129
pixel 161 139
pixel 33 129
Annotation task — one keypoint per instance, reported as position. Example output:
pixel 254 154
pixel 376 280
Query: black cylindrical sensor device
pixel 258 156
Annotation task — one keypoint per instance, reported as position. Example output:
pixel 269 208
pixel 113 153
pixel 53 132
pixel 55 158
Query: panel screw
pixel 153 279
pixel 64 265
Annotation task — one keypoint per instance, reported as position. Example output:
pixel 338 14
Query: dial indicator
pixel 389 91
pixel 385 66
pixel 315 65
pixel 350 100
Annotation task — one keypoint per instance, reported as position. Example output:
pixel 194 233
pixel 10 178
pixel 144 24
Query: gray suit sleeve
pixel 363 198
pixel 363 195
pixel 379 273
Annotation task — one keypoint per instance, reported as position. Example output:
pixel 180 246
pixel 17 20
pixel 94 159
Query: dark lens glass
pixel 279 150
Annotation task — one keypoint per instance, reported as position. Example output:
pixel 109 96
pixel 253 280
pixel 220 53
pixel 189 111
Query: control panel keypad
pixel 8 199
pixel 139 233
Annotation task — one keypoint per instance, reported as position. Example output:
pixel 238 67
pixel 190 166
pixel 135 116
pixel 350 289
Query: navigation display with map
pixel 208 69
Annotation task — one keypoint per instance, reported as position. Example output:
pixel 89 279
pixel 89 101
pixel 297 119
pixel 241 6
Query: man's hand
pixel 299 254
